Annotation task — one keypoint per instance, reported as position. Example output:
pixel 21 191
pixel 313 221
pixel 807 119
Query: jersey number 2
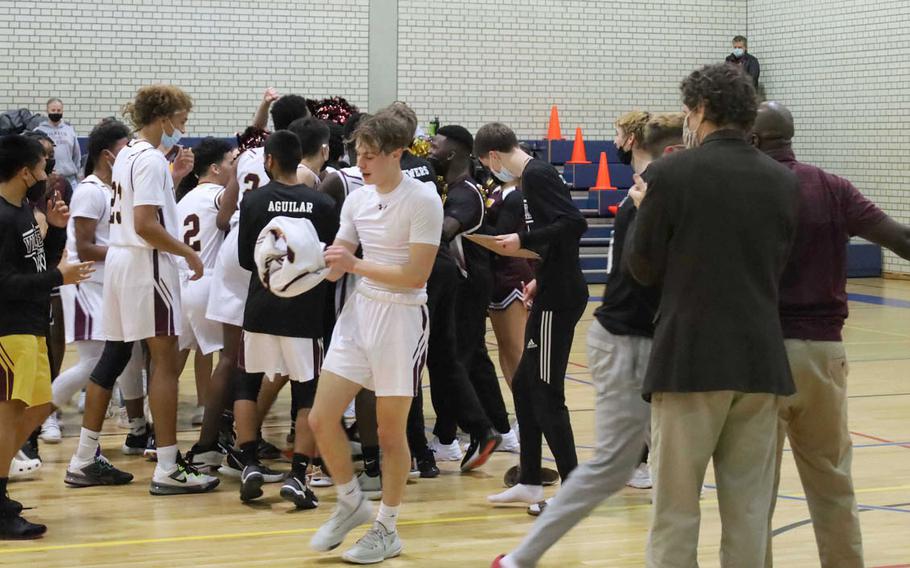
pixel 191 232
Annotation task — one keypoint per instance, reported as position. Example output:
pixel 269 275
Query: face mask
pixel 36 190
pixel 689 137
pixel 49 165
pixel 503 175
pixel 55 116
pixel 738 52
pixel 170 140
pixel 625 156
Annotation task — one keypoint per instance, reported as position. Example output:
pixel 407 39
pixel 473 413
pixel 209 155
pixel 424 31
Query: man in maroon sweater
pixel 813 307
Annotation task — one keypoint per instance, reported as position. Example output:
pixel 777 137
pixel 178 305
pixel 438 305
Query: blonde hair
pixel 385 131
pixel 155 101
pixel 665 129
pixel 633 124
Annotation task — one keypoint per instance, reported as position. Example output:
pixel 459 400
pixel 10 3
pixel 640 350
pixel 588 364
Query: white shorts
pixel 83 316
pixel 141 294
pixel 380 344
pixel 199 332
pixel 230 285
pixel 300 358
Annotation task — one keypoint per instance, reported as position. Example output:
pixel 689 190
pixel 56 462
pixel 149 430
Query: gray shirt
pixel 66 151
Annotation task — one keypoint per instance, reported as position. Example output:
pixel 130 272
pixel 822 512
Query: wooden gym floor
pixel 447 521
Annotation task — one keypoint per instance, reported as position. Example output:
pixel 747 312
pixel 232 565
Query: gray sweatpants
pixel 621 425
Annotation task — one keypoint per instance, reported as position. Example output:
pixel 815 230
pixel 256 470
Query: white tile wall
pixel 843 68
pixel 95 53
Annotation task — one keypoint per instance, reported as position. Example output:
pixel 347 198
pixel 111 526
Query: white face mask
pixel 690 139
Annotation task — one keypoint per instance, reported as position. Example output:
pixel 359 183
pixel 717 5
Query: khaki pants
pixel 739 431
pixel 815 421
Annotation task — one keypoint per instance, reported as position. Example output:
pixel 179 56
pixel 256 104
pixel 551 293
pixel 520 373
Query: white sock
pixel 520 493
pixel 349 493
pixel 507 562
pixel 387 517
pixel 88 445
pixel 167 457
pixel 137 426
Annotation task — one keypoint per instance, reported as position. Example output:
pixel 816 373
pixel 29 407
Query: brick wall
pixel 843 68
pixel 473 61
pixel 95 53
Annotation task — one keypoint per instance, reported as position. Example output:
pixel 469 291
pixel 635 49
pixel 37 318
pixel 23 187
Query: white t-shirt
pixel 250 176
pixel 198 215
pixel 387 224
pixel 141 176
pixel 91 200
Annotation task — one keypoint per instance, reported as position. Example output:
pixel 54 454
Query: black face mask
pixel 49 165
pixel 625 156
pixel 36 191
pixel 55 116
pixel 440 167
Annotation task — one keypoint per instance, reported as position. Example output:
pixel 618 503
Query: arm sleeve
pixel 150 179
pixel 426 219
pixel 645 249
pixel 54 244
pixel 17 285
pixel 246 239
pixel 859 213
pixel 346 229
pixel 551 194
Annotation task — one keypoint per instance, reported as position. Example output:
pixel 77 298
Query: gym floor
pixel 447 521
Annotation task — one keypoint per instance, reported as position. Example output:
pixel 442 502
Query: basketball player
pixel 539 384
pixel 283 336
pixel 25 286
pixel 380 339
pixel 88 234
pixel 197 212
pixel 619 344
pixel 141 291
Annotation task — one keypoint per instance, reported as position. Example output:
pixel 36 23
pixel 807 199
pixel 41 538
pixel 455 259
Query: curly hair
pixel 155 101
pixel 726 92
pixel 633 124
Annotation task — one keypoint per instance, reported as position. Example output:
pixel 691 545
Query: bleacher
pixel 864 259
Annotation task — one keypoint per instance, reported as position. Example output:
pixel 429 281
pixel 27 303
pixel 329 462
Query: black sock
pixel 299 465
pixel 371 460
pixel 248 453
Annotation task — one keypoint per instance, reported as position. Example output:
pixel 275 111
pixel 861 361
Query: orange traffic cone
pixel 554 132
pixel 603 174
pixel 578 150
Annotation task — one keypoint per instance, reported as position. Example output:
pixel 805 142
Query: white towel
pixel 289 257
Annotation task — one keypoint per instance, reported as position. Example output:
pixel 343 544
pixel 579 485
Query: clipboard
pixel 489 242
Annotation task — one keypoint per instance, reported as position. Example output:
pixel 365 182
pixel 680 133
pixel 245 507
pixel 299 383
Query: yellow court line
pixel 224 536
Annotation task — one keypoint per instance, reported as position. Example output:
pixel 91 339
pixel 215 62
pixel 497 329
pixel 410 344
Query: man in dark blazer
pixel 714 229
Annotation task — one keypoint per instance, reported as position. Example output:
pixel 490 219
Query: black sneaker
pixel 233 464
pixel 10 507
pixel 267 451
pixel 206 460
pixel 30 449
pixel 136 444
pixel 548 477
pixel 251 481
pixel 427 466
pixel 14 527
pixel 480 449
pixel 98 472
pixel 297 492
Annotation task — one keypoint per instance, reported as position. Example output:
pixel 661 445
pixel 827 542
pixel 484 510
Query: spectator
pixel 67 154
pixel 740 56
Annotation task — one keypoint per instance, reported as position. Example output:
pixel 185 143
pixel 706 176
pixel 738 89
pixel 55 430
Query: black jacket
pixel 750 65
pixel 715 230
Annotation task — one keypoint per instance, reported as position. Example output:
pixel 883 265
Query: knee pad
pixel 114 359
pixel 302 395
pixel 247 386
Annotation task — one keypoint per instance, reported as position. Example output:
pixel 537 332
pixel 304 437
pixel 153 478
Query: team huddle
pixel 297 271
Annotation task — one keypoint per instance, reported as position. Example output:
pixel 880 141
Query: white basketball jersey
pixel 91 200
pixel 352 178
pixel 198 214
pixel 250 176
pixel 141 176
